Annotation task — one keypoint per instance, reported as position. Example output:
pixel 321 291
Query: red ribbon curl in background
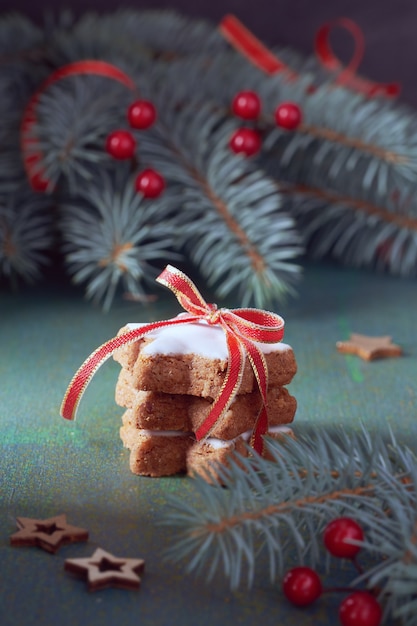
pixel 242 328
pixel 347 75
pixel 246 43
pixel 32 156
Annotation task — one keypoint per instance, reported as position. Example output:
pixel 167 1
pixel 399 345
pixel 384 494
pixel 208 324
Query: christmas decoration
pixel 302 586
pixel 283 506
pixel 150 183
pixel 288 115
pixel 360 609
pixel 369 348
pixel 338 535
pixel 246 141
pixel 340 184
pixel 247 105
pixel 120 144
pixel 49 534
pixel 103 570
pixel 141 114
pixel 243 328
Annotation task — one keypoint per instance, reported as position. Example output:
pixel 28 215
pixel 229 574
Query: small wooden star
pixel 49 534
pixel 369 348
pixel 103 569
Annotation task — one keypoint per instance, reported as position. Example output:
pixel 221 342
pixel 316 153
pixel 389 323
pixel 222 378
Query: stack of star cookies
pixel 168 382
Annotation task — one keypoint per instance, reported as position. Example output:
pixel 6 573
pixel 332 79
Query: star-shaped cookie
pixel 103 569
pixel 369 348
pixel 49 534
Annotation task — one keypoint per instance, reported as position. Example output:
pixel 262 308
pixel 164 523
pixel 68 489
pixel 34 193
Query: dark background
pixel 390 26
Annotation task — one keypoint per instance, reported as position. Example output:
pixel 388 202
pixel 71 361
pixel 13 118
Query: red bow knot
pixel 244 329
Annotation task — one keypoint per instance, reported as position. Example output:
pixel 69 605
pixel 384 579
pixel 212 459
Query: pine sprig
pixel 342 184
pixel 347 178
pixel 232 224
pixel 113 237
pixel 392 543
pixel 74 117
pixel 277 506
pixel 356 232
pixel 26 234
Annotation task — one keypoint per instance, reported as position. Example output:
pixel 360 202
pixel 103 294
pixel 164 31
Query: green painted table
pixel 49 466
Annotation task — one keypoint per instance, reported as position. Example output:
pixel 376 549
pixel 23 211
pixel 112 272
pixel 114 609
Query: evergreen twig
pixel 113 236
pixel 342 184
pixel 276 506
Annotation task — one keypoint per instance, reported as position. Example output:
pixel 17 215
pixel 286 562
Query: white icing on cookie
pixel 195 338
pixel 213 442
pixel 216 444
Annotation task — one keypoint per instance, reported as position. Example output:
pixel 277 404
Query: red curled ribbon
pixel 347 75
pixel 32 157
pixel 242 327
pixel 248 45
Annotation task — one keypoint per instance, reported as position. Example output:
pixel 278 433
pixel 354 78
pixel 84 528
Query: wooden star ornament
pixel 369 348
pixel 103 570
pixel 49 534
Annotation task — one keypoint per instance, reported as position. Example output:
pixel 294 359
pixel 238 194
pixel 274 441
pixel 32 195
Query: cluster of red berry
pixel 247 105
pixel 302 585
pixel 121 144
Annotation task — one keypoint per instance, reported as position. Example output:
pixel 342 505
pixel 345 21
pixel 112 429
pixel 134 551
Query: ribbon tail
pixel 85 373
pixel 260 429
pixel 229 388
pixel 260 370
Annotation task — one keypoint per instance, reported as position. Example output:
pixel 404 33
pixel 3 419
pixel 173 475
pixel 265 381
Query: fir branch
pixel 281 505
pixel 231 220
pixel 353 198
pixel 352 164
pixel 356 232
pixel 347 142
pixel 113 236
pixel 74 117
pixel 26 234
pixel 394 546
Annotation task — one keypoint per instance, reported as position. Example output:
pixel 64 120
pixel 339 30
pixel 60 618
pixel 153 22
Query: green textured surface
pixel 49 466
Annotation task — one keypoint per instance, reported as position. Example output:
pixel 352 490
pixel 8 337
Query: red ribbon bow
pixel 242 327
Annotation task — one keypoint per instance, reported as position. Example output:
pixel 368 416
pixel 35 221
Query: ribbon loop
pixel 243 328
pixel 347 74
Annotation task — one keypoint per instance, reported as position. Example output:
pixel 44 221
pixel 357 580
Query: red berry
pixel 246 141
pixel 121 144
pixel 38 182
pixel 360 608
pixel 246 104
pixel 302 586
pixel 337 535
pixel 141 114
pixel 150 183
pixel 288 115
